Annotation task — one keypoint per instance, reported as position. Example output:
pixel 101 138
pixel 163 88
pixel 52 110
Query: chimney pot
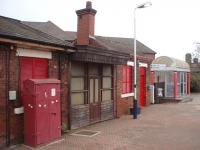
pixel 89 5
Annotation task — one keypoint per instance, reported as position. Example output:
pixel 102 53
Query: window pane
pixel 96 90
pixel 107 70
pixel 128 88
pixel 77 99
pixel 159 77
pixel 107 82
pixel 77 84
pixel 129 78
pixel 129 74
pixel 77 69
pixel 169 84
pixel 106 95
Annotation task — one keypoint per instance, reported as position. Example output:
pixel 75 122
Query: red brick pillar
pixel 175 84
pixel 152 76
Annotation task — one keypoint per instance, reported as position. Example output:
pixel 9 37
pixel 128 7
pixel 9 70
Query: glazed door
pixel 94 99
pixel 142 100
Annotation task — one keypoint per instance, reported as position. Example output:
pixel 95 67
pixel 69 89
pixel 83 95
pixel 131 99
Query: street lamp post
pixel 135 102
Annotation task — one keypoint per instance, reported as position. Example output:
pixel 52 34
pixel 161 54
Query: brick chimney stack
pixel 86 21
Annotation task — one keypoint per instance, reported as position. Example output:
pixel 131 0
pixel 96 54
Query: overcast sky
pixel 169 27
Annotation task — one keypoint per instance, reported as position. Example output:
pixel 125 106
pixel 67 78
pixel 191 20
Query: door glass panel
pixel 96 90
pixel 91 90
pixel 106 82
pixel 77 99
pixel 106 95
pixel 77 84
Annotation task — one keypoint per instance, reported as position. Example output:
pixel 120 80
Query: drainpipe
pixel 7 97
pixel 69 93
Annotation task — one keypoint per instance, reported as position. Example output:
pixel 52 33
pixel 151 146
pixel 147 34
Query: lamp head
pixel 147 4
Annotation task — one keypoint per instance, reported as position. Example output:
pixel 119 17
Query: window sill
pixel 127 95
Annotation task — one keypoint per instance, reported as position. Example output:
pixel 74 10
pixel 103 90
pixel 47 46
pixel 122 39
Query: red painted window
pixel 127 79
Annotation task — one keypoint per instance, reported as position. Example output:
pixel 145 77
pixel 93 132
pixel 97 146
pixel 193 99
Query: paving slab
pixel 171 126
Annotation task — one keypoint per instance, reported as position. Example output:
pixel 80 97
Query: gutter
pixel 35 43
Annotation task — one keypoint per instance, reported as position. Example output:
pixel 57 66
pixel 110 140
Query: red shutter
pixel 123 79
pixel 36 68
pixel 127 79
pixel 40 70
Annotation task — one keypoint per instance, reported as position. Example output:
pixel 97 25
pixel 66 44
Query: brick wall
pixel 2 96
pixel 148 73
pixel 58 68
pixel 85 27
pixel 54 66
pixel 123 104
pixel 16 121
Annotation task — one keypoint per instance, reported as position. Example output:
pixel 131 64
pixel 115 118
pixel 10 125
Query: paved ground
pixel 160 127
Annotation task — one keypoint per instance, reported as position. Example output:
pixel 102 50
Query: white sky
pixel 169 27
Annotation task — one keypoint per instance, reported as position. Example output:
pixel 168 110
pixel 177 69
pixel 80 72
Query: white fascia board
pixel 33 53
pixel 130 63
pixel 143 65
pixel 127 95
pixel 169 69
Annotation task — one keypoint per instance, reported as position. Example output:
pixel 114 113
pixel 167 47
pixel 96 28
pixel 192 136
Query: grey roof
pixel 111 43
pixel 123 45
pixel 15 29
pixel 51 29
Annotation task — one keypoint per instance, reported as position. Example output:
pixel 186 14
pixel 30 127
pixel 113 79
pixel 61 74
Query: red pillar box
pixel 188 83
pixel 175 84
pixel 41 111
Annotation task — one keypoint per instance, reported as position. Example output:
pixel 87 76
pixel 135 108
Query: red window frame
pixel 126 79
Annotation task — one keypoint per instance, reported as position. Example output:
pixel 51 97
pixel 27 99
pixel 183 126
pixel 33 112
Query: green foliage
pixel 195 82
